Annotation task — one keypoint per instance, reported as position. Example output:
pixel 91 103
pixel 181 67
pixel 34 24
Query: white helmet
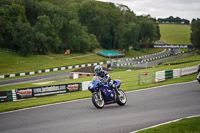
pixel 98 69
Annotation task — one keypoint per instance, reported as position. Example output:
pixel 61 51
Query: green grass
pixel 175 34
pixel 192 59
pixel 188 125
pixel 133 53
pixel 13 63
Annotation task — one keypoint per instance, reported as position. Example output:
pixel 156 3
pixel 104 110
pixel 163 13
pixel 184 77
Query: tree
pixel 23 34
pixel 79 40
pixel 2 31
pixel 130 36
pixel 148 32
pixel 40 43
pixel 172 19
pixel 107 21
pixel 158 32
pixel 78 25
pixel 193 20
pixel 93 14
pixel 19 12
pixel 45 27
pixel 15 31
pixel 195 35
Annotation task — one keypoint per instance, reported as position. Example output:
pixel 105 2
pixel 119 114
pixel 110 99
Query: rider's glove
pixel 111 82
pixel 113 86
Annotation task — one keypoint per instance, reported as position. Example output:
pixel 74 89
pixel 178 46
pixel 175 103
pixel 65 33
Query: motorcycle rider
pixel 104 77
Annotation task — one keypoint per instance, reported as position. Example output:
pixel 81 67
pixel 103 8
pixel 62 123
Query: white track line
pixel 165 123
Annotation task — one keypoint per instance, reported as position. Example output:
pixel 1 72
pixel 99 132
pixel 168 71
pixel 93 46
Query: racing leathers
pixel 104 77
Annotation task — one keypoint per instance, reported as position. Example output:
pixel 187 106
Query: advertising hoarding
pixel 24 93
pixel 3 96
pixel 49 90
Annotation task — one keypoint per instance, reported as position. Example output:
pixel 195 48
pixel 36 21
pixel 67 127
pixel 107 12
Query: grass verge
pixel 187 125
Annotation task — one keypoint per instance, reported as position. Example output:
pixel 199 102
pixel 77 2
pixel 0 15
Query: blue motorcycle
pixel 103 94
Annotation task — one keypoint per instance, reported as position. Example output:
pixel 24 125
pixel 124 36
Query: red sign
pixel 26 93
pixel 73 87
pixel 145 73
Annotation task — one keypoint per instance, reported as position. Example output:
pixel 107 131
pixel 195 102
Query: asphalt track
pixel 144 108
pixel 34 78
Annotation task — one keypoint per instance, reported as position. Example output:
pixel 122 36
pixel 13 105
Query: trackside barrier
pixel 188 70
pixel 25 93
pixel 160 76
pixel 140 59
pixel 51 70
pixel 169 74
pixel 175 73
pixel 85 85
pixel 6 96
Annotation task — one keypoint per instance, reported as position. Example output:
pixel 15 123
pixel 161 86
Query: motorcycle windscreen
pixel 118 83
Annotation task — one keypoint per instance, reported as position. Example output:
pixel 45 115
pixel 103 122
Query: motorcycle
pixel 103 94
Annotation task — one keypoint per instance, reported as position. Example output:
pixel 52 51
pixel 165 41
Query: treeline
pixel 172 19
pixel 42 26
pixel 195 34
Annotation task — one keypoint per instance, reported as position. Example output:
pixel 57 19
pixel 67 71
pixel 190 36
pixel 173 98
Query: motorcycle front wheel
pixel 97 100
pixel 121 99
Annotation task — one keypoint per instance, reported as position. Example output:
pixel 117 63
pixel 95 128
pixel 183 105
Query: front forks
pixel 99 94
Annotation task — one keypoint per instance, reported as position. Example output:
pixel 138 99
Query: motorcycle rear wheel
pixel 121 99
pixel 98 103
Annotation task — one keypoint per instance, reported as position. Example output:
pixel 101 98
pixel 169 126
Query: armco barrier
pixel 51 70
pixel 160 76
pixel 175 73
pixel 3 96
pixel 24 93
pixel 169 74
pixel 188 70
pixel 6 96
pixel 140 59
pixel 85 85
pixel 9 94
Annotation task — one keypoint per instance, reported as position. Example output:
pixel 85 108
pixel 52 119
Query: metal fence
pixel 145 77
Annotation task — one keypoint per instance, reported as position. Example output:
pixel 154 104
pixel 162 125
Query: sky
pixel 187 9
